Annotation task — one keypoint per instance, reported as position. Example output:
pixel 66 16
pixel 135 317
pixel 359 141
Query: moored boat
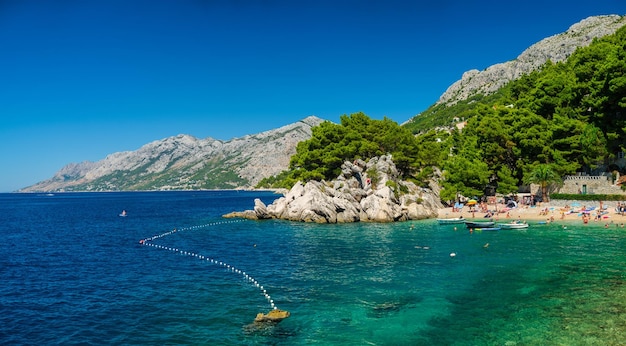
pixel 479 224
pixel 513 225
pixel 453 220
pixel 487 229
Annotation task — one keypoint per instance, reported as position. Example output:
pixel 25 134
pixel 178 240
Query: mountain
pixel 184 162
pixel 555 48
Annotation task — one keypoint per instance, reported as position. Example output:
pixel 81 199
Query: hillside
pixel 475 84
pixel 184 162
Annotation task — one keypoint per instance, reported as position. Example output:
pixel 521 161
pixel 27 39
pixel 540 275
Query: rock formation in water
pixel 274 316
pixel 364 191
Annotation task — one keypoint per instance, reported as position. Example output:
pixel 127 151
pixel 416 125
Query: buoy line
pixel 228 267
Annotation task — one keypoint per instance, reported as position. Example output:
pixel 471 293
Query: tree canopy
pixel 356 137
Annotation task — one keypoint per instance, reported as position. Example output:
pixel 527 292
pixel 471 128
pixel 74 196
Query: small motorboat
pixel 487 229
pixel 479 224
pixel 513 225
pixel 450 221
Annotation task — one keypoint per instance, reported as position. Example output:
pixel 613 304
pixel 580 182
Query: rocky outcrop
pixel 555 48
pixel 364 191
pixel 184 162
pixel 274 316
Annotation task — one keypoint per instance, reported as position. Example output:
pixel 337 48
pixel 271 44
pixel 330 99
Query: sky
pixel 83 79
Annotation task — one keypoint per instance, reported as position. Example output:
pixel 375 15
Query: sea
pixel 173 271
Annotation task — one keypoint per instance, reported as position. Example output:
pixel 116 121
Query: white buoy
pixel 453 254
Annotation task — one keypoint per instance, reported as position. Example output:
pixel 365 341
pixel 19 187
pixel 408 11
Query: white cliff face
pixel 186 162
pixel 368 192
pixel 555 48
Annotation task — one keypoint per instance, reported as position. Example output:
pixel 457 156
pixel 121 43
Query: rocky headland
pixel 369 191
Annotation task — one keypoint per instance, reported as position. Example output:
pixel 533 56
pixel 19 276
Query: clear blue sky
pixel 83 79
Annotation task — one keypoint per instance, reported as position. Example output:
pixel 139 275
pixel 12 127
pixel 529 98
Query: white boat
pixel 479 224
pixel 450 221
pixel 513 225
pixel 488 229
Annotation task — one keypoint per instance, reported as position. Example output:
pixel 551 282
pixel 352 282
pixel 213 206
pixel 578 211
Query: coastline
pixel 554 214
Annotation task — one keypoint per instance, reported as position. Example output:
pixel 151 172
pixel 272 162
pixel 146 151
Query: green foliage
pixel 465 176
pixel 278 181
pixel 543 175
pixel 421 179
pixel 586 197
pixel 356 137
pixel 570 116
pixel 372 173
pixel 394 187
pixel 442 115
pixel 506 182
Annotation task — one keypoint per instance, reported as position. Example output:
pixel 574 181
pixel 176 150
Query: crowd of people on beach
pixel 545 213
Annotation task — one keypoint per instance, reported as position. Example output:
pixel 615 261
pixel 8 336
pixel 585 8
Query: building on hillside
pixel 603 184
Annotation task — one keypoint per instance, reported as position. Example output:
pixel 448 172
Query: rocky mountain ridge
pixel 554 48
pixel 184 162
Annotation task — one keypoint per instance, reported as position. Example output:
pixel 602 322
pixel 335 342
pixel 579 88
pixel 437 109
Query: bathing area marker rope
pixel 150 242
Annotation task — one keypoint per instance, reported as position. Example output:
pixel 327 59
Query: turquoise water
pixel 74 272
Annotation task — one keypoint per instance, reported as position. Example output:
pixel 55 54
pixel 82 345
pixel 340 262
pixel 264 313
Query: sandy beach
pixel 544 212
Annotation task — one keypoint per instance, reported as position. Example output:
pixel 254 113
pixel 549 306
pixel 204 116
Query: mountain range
pixel 184 162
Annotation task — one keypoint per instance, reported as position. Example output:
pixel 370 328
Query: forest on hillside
pixel 565 118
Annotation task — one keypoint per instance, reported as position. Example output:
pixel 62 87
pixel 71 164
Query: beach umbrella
pixel 471 202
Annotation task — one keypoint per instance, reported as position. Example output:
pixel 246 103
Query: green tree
pixel 356 137
pixel 507 183
pixel 466 176
pixel 593 144
pixel 545 176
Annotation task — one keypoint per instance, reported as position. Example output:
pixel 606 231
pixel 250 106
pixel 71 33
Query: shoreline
pixel 554 214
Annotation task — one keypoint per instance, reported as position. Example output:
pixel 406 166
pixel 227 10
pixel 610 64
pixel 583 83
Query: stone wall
pixel 590 185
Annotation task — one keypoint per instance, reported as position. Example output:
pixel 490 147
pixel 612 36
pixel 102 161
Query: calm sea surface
pixel 74 273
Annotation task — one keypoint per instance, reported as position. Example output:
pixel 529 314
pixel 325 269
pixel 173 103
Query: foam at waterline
pixel 149 242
